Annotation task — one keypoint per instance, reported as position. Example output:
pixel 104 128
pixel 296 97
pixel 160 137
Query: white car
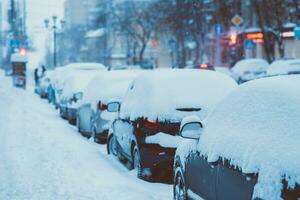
pixel 72 80
pixel 249 69
pixel 146 130
pixel 284 67
pixel 92 117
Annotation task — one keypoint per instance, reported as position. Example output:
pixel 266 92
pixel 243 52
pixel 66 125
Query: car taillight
pixel 204 66
pixel 102 106
pixel 150 125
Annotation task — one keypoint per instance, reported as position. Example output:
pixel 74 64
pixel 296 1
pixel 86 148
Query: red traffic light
pixel 233 39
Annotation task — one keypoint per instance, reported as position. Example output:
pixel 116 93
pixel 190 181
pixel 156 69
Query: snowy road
pixel 42 157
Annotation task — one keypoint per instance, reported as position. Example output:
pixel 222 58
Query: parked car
pixel 76 78
pixel 248 148
pixel 93 120
pixel 284 67
pixel 146 133
pixel 249 69
pixel 42 86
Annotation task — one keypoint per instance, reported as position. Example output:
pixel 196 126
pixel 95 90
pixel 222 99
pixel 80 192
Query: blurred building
pixel 77 12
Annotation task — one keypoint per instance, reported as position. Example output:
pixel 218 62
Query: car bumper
pixel 101 137
pixel 155 157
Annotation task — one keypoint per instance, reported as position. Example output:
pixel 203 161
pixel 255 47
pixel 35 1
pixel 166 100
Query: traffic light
pixel 233 39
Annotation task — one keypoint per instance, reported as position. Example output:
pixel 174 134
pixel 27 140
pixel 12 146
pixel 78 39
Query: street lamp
pixel 53 27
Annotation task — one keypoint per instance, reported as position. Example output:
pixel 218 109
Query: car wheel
pixel 179 188
pixel 111 146
pixel 137 162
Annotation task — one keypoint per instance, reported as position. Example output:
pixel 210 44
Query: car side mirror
pixel 113 107
pixel 191 130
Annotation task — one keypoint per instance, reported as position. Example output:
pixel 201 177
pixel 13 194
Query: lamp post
pixel 53 27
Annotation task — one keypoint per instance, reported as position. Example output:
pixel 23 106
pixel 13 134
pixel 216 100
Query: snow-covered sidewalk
pixel 42 157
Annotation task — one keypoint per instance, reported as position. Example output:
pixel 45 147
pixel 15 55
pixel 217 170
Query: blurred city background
pixel 149 33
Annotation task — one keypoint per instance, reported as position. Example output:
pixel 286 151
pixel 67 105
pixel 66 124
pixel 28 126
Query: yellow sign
pixel 237 20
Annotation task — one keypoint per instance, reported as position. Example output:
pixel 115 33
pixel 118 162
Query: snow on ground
pixel 42 157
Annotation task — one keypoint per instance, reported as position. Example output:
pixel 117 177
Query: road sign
pixel 218 29
pixel 297 33
pixel 249 44
pixel 237 20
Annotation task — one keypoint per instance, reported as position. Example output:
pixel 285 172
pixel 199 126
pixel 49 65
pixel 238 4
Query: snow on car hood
pixel 250 65
pixel 257 127
pixel 160 94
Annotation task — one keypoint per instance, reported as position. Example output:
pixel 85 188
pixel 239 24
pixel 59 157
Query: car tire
pixel 179 187
pixel 137 162
pixel 111 145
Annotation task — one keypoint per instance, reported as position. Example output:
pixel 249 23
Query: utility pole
pixel 24 18
pixel 53 27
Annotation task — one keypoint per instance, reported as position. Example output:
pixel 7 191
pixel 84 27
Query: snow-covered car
pixel 92 117
pixel 284 67
pixel 248 148
pixel 61 76
pixel 146 133
pixel 43 84
pixel 249 69
pixel 76 77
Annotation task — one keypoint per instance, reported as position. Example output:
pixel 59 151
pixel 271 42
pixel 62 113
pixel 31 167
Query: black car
pixel 247 147
pixel 148 141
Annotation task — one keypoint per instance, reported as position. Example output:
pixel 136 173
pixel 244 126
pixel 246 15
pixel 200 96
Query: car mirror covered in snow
pixel 113 107
pixel 191 130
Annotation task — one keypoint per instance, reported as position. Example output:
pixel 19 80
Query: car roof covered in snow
pixel 280 67
pixel 170 95
pixel 256 127
pixel 108 85
pixel 253 64
pixel 64 73
pixel 86 66
pixel 78 81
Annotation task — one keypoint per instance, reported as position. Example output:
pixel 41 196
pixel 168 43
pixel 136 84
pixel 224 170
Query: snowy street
pixel 42 157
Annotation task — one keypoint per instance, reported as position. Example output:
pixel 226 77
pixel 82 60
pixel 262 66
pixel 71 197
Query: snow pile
pixel 108 85
pixel 164 140
pixel 249 68
pixel 2 73
pixel 42 158
pixel 257 128
pixel 280 67
pixel 173 94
